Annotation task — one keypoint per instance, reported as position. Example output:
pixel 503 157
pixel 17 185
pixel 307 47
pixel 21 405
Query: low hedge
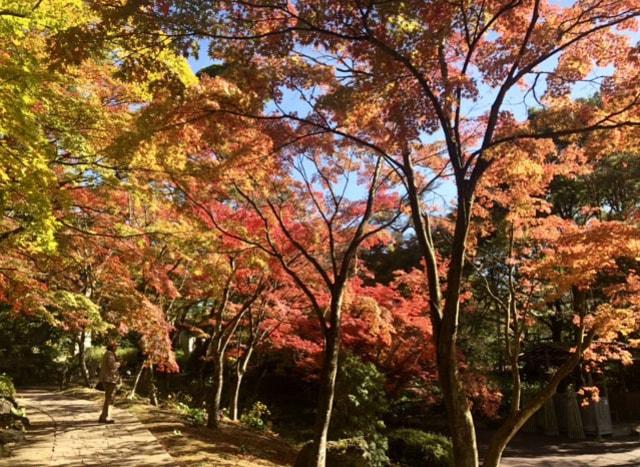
pixel 348 452
pixel 408 447
pixel 129 358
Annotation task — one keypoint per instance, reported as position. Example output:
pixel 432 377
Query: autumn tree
pixel 306 220
pixel 530 266
pixel 391 73
pixel 32 109
pixel 60 167
pixel 262 320
pixel 391 77
pixel 385 324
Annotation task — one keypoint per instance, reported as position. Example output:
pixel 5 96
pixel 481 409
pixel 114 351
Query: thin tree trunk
pixel 217 348
pixel 513 350
pixel 153 391
pixel 213 420
pixel 513 423
pixel 202 394
pixel 132 394
pixel 516 420
pixel 241 369
pixel 82 359
pixel 236 397
pixel 327 384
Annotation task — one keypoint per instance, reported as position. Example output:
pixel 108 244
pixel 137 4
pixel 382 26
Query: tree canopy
pixel 431 188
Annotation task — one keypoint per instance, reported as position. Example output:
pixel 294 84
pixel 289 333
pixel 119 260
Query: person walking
pixel 109 377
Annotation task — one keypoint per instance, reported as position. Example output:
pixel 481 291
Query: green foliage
pixel 16 419
pixel 93 357
pixel 31 350
pixel 193 415
pixel 613 185
pixel 128 357
pixel 182 358
pixel 347 452
pixel 217 69
pixel 409 410
pixel 33 112
pixel 76 311
pixel 377 449
pixel 385 260
pixel 256 417
pixel 7 389
pixel 20 412
pixel 410 447
pixel 360 400
pixel 360 403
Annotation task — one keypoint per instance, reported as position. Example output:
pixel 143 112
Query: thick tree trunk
pixel 327 384
pixel 82 359
pixel 460 420
pixel 463 435
pixel 213 420
pixel 445 322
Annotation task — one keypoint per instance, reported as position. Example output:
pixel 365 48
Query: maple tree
pixel 226 326
pixel 391 72
pixel 531 265
pixel 135 196
pixel 314 239
pixel 222 279
pixel 385 324
pixel 259 324
pixel 59 129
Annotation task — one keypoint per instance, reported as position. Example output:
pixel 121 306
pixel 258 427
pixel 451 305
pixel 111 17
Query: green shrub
pixel 360 399
pixel 194 416
pixel 408 410
pixel 378 447
pixel 7 389
pixel 16 418
pixel 182 358
pixel 359 405
pixel 256 416
pixel 93 358
pixel 127 356
pixel 31 348
pixel 410 447
pixel 180 397
pixel 348 452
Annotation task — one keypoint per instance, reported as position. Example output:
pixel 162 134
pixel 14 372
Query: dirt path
pixel 65 432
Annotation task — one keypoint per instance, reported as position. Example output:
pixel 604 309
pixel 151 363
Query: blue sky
pixel 516 102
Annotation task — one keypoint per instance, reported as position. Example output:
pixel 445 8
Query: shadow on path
pixel 534 450
pixel 65 432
